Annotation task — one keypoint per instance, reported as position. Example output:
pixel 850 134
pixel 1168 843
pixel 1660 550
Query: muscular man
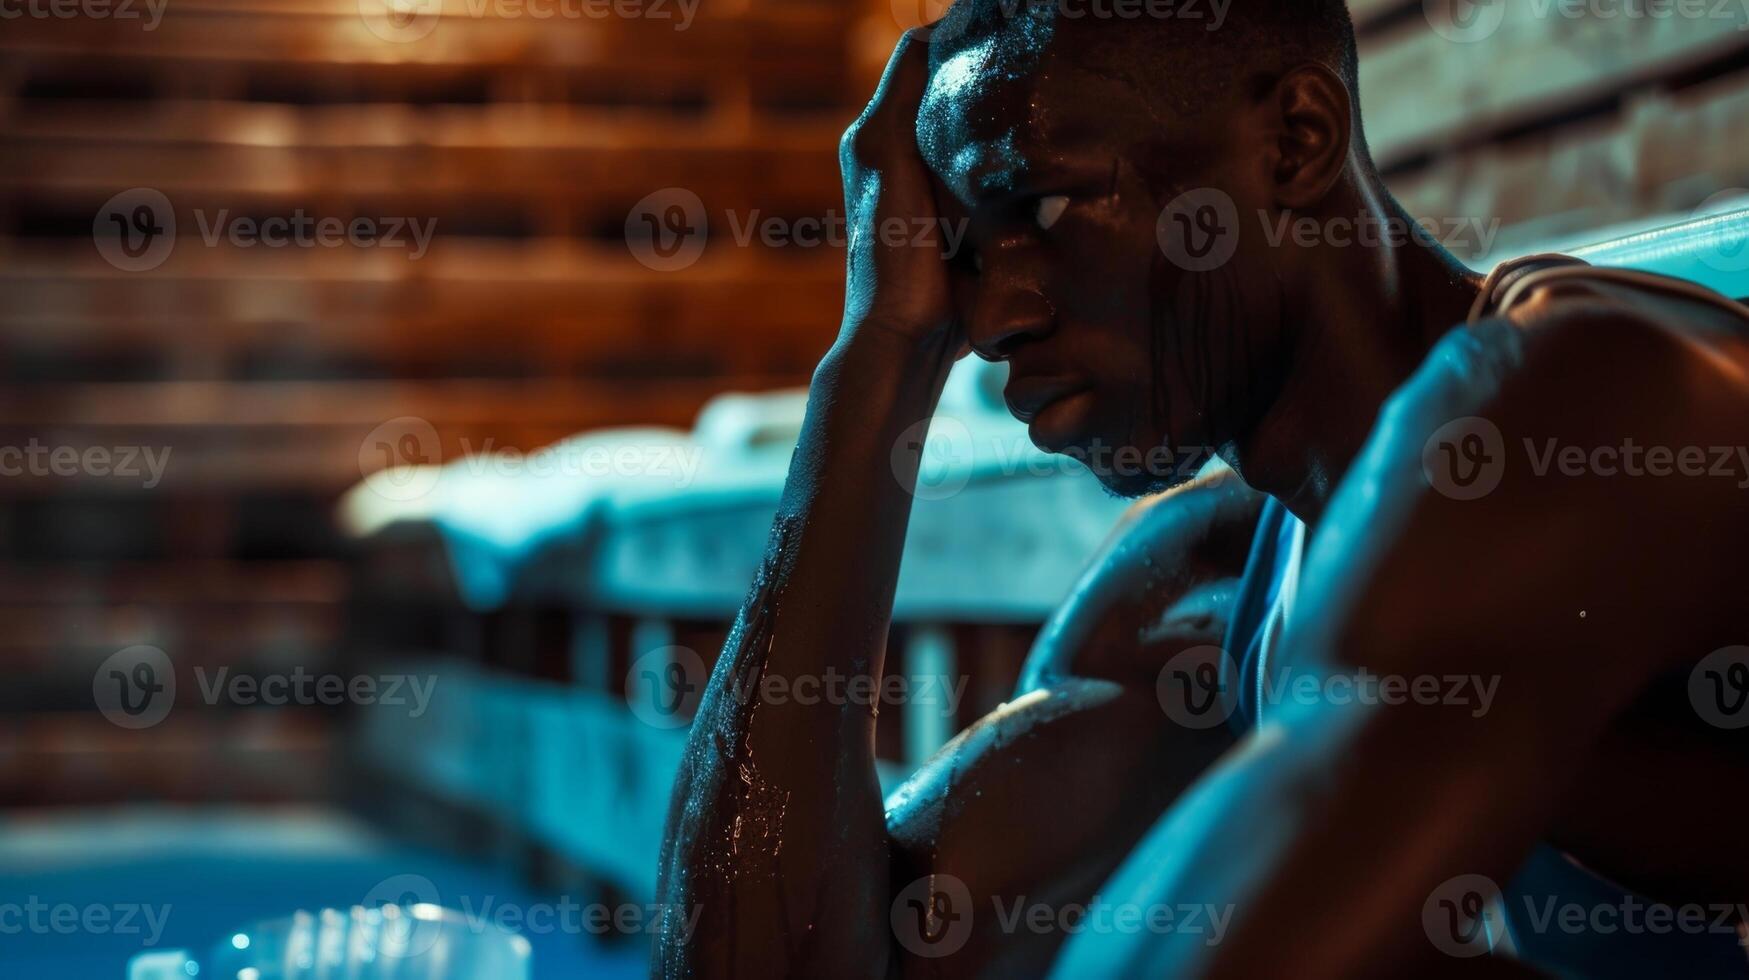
pixel 1093 160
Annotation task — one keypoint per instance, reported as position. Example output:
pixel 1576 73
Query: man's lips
pixel 1027 397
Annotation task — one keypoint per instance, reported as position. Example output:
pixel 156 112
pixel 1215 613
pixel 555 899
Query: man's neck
pixel 1371 322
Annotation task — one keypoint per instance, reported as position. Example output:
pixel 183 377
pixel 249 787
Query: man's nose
pixel 1009 310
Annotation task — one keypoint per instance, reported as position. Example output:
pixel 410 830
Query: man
pixel 1100 165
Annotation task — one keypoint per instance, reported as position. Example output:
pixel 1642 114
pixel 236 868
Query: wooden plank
pixel 467 168
pixel 336 32
pixel 308 437
pixel 788 341
pixel 459 281
pixel 79 758
pixel 65 644
pixel 348 404
pixel 312 582
pixel 562 308
pixel 780 60
pixel 494 126
pixel 777 57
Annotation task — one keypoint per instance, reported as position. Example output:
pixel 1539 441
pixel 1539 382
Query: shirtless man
pixel 1333 379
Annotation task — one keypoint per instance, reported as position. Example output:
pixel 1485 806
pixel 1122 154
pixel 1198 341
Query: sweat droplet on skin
pixel 759 807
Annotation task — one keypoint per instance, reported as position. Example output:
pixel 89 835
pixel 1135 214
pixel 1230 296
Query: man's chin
pixel 1124 474
pixel 1127 470
pixel 1132 486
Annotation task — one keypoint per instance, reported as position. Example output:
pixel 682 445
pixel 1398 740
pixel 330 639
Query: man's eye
pixel 1050 209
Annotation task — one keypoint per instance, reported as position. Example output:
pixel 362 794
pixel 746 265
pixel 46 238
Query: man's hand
pixel 896 280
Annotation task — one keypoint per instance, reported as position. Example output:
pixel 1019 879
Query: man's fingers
pixel 890 119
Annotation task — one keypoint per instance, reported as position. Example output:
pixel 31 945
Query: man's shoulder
pixel 1664 347
pixel 1164 579
pixel 1602 316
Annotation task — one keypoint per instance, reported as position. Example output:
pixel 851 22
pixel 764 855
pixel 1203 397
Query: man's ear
pixel 1315 120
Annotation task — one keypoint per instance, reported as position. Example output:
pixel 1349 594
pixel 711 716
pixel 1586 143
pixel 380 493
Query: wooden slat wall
pixel 1554 125
pixel 526 140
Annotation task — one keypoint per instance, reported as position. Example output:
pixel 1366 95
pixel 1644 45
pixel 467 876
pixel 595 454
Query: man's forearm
pixel 1320 840
pixel 776 832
